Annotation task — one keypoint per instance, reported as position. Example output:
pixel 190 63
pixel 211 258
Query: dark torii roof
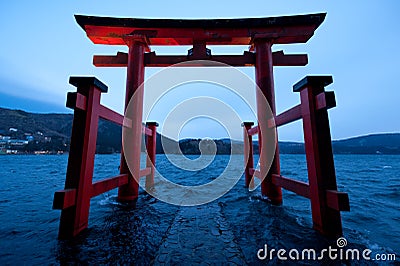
pixel 282 30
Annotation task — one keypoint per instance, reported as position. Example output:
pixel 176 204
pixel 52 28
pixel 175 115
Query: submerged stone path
pixel 199 235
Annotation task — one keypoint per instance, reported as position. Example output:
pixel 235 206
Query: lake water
pixel 156 231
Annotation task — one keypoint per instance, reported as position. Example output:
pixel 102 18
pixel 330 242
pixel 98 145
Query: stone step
pixel 199 235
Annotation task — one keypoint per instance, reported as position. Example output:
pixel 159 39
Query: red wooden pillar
pixel 134 97
pixel 151 154
pixel 265 82
pixel 320 164
pixel 248 154
pixel 81 156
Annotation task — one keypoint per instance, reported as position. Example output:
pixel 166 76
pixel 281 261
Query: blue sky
pixel 41 46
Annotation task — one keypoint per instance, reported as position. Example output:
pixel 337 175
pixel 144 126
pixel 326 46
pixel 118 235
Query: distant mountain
pixel 207 146
pixel 385 143
pixel 28 132
pixel 54 125
pixel 371 144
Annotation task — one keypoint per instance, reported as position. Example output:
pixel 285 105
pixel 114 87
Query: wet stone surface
pixel 201 236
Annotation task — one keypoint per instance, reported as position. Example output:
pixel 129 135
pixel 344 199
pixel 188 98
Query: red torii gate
pixel 260 34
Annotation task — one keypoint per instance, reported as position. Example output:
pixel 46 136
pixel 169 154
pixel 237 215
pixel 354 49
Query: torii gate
pixel 260 34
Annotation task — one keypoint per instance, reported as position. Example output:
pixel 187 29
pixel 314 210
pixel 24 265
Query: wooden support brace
pixel 64 199
pixel 325 100
pixel 147 131
pixel 252 131
pixel 76 101
pixel 281 59
pixel 298 187
pixel 145 171
pixel 153 60
pixel 288 116
pixel 338 201
pixel 99 187
pixel 110 115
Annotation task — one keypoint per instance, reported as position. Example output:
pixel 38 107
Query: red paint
pixel 153 60
pixel 81 162
pixel 99 187
pixel 298 187
pixel 248 155
pixel 241 35
pixel 151 154
pixel 134 93
pixel 252 131
pixel 74 200
pixel 320 165
pixel 326 201
pixel 265 82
